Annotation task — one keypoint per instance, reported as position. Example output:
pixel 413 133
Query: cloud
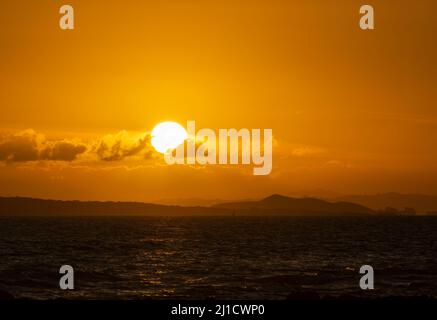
pixel 121 145
pixel 306 151
pixel 30 146
pixel 338 163
pixel 27 146
pixel 62 150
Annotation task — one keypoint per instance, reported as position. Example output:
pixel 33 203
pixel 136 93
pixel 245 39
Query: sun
pixel 168 136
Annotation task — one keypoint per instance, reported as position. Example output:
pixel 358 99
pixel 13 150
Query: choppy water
pixel 223 258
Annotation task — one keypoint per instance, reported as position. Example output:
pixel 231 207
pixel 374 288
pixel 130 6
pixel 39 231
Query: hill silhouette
pixel 420 202
pixel 283 205
pixel 272 205
pixel 18 206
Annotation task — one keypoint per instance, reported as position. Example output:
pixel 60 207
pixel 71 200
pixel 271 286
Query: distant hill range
pixel 281 205
pixel 18 206
pixel 189 202
pixel 421 203
pixel 272 205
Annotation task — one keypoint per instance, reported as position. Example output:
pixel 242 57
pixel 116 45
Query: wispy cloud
pixel 28 145
pixel 306 151
pixel 121 145
pixel 31 146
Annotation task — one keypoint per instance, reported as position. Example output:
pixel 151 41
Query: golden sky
pixel 351 111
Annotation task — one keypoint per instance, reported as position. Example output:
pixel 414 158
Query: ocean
pixel 217 257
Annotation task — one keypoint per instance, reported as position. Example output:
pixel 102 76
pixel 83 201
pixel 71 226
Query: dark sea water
pixel 222 258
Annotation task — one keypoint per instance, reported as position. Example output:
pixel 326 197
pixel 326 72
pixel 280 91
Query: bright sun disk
pixel 168 136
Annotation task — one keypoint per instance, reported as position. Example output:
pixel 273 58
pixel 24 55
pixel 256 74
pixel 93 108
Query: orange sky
pixel 352 111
